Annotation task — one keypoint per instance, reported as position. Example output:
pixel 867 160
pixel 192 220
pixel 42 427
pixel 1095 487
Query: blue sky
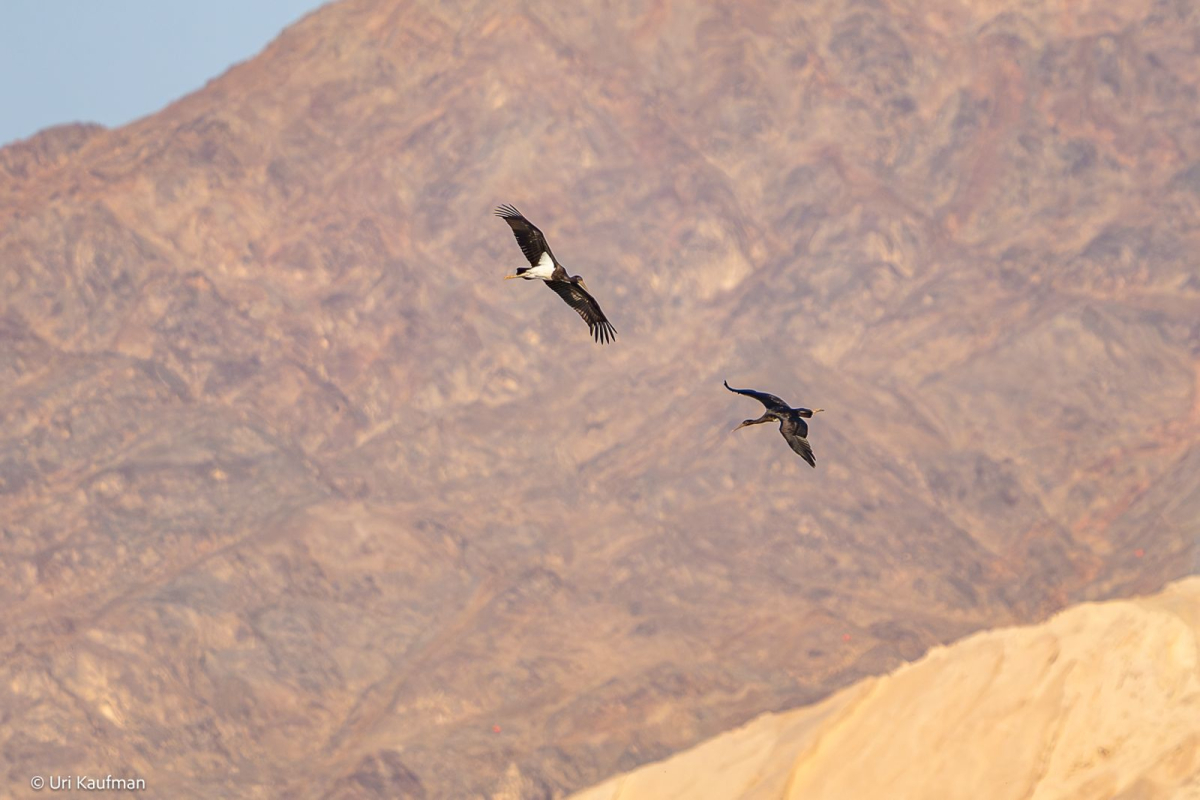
pixel 112 61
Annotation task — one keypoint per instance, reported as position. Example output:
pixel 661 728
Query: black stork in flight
pixel 791 421
pixel 544 265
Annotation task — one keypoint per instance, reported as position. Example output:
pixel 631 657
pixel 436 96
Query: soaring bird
pixel 791 421
pixel 544 265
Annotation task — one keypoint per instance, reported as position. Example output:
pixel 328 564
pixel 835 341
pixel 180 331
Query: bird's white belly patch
pixel 544 268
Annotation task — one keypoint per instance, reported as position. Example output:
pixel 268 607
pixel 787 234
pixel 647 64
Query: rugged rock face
pixel 298 498
pixel 1101 701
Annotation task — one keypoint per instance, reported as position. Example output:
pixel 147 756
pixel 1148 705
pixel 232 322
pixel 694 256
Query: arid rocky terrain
pixel 299 499
pixel 1103 701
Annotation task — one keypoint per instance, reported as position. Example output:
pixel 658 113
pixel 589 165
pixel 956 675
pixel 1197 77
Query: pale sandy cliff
pixel 1102 701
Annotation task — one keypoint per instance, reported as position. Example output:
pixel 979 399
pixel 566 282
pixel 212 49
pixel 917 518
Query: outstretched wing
pixel 794 431
pixel 532 242
pixel 585 305
pixel 772 402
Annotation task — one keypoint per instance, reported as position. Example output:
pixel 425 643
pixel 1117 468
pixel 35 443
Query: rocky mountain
pixel 1101 701
pixel 298 498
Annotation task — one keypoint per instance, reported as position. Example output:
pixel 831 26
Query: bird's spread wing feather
pixel 586 306
pixel 794 431
pixel 532 242
pixel 772 402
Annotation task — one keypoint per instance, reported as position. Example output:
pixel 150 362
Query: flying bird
pixel 544 265
pixel 791 421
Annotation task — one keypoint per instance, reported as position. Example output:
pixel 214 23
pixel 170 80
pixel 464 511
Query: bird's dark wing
pixel 772 402
pixel 585 305
pixel 531 240
pixel 795 430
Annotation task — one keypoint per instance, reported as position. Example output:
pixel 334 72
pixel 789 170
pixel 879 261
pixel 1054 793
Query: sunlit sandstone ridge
pixel 1102 701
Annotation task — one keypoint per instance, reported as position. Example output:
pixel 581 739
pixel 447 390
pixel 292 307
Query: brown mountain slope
pixel 300 499
pixel 1102 701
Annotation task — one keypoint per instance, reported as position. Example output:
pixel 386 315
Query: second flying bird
pixel 791 421
pixel 544 265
